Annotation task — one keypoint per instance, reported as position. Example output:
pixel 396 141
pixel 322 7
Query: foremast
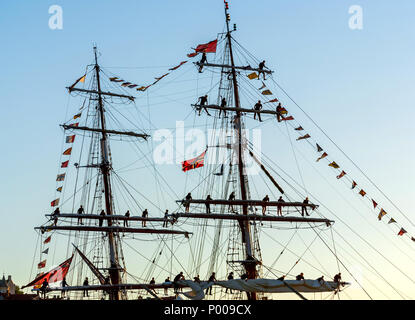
pixel 105 167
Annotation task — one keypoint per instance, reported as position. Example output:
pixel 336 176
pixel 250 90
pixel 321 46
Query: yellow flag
pixel 266 92
pixel 252 75
pixel 82 79
pixel 334 165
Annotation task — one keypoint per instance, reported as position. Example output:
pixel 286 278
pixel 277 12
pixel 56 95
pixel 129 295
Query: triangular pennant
pixel 178 66
pixel 374 204
pixel 319 149
pixel 273 100
pixel 287 118
pixel 304 137
pixel 65 164
pixel 354 184
pixel 381 214
pixel 46 251
pixel 392 220
pixel 401 232
pixel 341 175
pixel 322 156
pixel 47 240
pixel 300 128
pixel 70 139
pixel 41 264
pixel 67 152
pixel 77 115
pixel 334 165
pixel 59 189
pixel 266 92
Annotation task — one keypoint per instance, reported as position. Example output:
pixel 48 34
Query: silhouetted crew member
pixel 321 279
pixel 231 198
pixel 153 282
pixel 44 287
pixel 337 278
pixel 187 202
pixel 80 211
pixel 144 215
pixel 230 277
pixel 300 277
pixel 85 284
pixel 55 215
pixel 127 214
pixel 261 68
pixel 107 280
pixel 176 279
pixel 203 103
pixel 279 207
pixel 258 107
pixel 264 208
pixel 166 219
pixel 222 105
pixel 101 218
pixel 203 60
pixel 166 282
pixel 196 279
pixel 282 278
pixel 304 208
pixel 63 285
pixel 244 276
pixel 279 112
pixel 208 198
pixel 212 278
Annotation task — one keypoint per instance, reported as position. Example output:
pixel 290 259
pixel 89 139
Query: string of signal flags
pixel 209 47
pixel 324 155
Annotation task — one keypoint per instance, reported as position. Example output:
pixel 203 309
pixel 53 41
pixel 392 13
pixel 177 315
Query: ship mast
pixel 250 263
pixel 105 170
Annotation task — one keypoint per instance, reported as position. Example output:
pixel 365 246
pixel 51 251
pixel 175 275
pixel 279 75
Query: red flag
pixel 53 275
pixel 54 203
pixel 47 240
pixel 193 54
pixel 194 163
pixel 401 232
pixel 374 204
pixel 287 118
pixel 41 264
pixel 65 164
pixel 342 174
pixel 75 124
pixel 207 47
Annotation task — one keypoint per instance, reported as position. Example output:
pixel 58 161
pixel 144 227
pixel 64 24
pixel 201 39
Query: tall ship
pixel 223 220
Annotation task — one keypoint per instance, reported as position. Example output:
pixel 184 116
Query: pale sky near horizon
pixel 356 84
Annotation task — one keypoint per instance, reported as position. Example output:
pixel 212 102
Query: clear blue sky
pixel 356 84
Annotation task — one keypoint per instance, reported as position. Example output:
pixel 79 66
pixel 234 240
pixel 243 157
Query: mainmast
pixel 250 263
pixel 105 170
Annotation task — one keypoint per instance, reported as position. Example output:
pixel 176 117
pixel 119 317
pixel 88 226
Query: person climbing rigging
pixel 101 218
pixel 203 102
pixel 279 207
pixel 55 215
pixel 258 107
pixel 202 61
pixel 222 105
pixel 144 215
pixel 187 202
pixel 212 278
pixel 80 211
pixel 127 215
pixel 231 198
pixel 261 69
pixel 264 207
pixel 208 198
pixel 304 207
pixel 166 218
